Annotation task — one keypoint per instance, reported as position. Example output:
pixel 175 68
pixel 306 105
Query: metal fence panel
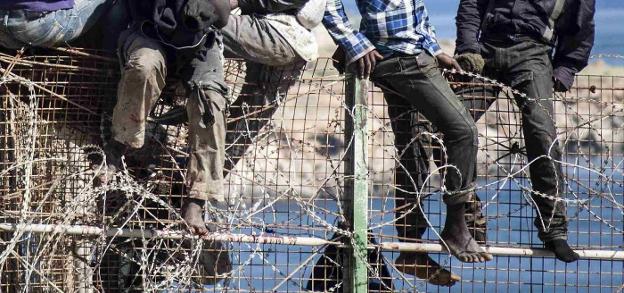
pixel 292 188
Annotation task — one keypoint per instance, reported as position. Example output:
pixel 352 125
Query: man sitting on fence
pixel 397 46
pixel 275 39
pixel 176 36
pixel 513 42
pixel 52 23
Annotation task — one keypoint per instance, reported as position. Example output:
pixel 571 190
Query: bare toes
pixel 487 256
pixel 196 230
pixel 481 258
pixel 202 231
pixel 464 258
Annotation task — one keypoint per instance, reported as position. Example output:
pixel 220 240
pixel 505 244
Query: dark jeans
pixel 19 28
pixel 416 83
pixel 527 67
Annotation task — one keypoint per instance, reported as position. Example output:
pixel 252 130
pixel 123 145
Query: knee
pixel 467 135
pixel 147 63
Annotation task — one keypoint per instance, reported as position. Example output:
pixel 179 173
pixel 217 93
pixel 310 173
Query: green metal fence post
pixel 356 195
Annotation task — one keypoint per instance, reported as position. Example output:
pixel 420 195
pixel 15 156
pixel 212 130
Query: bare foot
pixel 423 267
pixel 192 213
pixel 476 222
pixel 113 151
pixel 458 239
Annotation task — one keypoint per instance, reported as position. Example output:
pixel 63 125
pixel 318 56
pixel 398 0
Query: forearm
pixel 468 23
pixel 354 43
pixel 575 44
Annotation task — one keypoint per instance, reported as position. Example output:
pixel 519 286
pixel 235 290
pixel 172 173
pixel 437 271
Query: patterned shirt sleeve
pixel 353 42
pixel 429 42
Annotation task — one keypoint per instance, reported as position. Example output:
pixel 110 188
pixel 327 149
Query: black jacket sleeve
pixel 575 39
pixel 270 6
pixel 468 22
pixel 140 10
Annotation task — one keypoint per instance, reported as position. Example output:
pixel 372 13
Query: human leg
pixel 206 105
pixel 477 98
pixel 205 169
pixel 253 38
pixel 532 75
pixel 410 176
pixel 419 81
pixel 411 173
pixel 142 80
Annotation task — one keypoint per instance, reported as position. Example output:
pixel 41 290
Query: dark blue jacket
pixel 566 24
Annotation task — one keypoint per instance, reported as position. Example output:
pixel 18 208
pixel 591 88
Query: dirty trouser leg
pixel 253 38
pixel 265 88
pixel 272 68
pixel 206 108
pixel 142 80
pixel 419 82
pixel 532 75
pixel 205 171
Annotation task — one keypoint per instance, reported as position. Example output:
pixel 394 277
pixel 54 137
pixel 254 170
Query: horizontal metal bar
pixel 161 234
pixel 504 251
pixel 288 240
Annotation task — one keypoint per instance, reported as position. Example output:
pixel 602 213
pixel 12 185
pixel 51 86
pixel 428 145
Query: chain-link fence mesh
pixel 285 215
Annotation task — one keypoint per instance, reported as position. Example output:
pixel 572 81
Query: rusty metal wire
pixel 287 182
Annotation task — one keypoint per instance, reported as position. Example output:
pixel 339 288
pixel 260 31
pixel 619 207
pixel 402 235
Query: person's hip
pixel 404 64
pixel 19 28
pixel 49 28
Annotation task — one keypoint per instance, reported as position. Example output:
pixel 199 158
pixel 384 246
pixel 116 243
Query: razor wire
pixel 138 203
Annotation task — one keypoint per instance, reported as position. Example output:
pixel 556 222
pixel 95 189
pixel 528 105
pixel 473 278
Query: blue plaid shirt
pixel 387 25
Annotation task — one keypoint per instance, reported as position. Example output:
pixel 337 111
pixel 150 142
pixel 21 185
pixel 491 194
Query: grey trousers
pixel 416 83
pixel 143 79
pixel 526 66
pixel 272 68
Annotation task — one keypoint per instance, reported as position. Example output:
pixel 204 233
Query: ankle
pixel 456 211
pixel 556 243
pixel 116 147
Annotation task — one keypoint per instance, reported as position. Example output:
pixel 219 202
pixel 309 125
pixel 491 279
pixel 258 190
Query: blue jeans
pixel 20 28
